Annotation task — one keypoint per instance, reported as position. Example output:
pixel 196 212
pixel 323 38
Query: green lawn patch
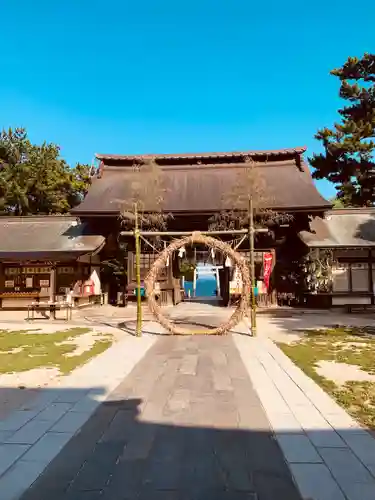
pixel 350 345
pixel 24 350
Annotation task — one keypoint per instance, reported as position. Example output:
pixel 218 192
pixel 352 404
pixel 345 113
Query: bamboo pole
pixel 138 273
pixel 188 233
pixel 195 273
pixel 252 267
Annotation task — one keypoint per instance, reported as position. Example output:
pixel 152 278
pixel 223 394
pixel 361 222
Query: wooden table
pixel 52 307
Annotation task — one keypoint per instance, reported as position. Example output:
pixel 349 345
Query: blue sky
pixel 151 77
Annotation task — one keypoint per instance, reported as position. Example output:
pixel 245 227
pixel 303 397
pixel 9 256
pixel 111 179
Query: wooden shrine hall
pixel 194 189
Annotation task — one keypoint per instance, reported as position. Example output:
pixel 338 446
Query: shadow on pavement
pixel 154 328
pixel 117 455
pixel 296 321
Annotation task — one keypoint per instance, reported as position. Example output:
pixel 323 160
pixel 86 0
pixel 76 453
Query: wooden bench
pixel 52 307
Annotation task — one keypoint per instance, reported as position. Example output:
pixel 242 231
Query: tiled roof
pixel 342 228
pixel 218 155
pixel 42 237
pixel 198 186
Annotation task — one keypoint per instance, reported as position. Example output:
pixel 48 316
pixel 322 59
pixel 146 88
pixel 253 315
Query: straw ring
pixel 215 244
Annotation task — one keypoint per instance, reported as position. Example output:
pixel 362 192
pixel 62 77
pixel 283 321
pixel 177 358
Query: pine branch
pixel 349 146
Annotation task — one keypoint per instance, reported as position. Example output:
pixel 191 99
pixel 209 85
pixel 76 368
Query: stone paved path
pixel 185 424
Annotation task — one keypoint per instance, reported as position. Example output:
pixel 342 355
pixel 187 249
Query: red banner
pixel 267 268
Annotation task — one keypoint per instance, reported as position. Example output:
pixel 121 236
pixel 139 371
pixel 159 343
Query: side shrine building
pixel 43 257
pixel 308 254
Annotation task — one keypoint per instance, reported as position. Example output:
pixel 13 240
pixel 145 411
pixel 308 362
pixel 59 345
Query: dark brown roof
pixel 198 186
pixel 342 228
pixel 47 237
pixel 218 155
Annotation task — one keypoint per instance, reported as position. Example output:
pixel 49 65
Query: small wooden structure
pixel 349 236
pixel 43 257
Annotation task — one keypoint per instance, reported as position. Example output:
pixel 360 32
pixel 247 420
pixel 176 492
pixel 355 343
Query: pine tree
pixel 348 157
pixel 34 179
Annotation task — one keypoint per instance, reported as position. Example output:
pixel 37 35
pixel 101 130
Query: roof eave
pixel 51 254
pixel 117 213
pixel 272 152
pixel 351 247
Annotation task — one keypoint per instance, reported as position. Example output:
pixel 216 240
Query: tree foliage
pixel 249 184
pixel 146 198
pixel 34 179
pixel 317 271
pixel 348 157
pixel 113 269
pixel 337 203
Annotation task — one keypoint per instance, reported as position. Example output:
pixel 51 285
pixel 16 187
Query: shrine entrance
pixel 214 245
pixel 203 282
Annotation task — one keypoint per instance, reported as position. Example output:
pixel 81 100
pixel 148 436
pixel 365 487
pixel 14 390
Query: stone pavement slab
pixel 330 455
pixel 34 434
pixel 185 424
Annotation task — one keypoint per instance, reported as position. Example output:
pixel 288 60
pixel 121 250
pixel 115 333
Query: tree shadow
pixel 154 328
pixel 366 230
pixel 123 452
pixel 118 456
pixel 211 301
pixel 297 321
pixel 191 318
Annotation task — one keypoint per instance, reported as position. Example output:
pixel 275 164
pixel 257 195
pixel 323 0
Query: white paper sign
pixel 235 285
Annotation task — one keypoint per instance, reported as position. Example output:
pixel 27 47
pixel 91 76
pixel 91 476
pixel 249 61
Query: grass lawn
pixel 24 350
pixel 353 346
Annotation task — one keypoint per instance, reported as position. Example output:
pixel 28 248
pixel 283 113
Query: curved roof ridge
pixel 270 152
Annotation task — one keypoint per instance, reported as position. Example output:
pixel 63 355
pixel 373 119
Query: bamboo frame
pixel 240 242
pixel 252 267
pixel 138 273
pixel 204 237
pixel 187 233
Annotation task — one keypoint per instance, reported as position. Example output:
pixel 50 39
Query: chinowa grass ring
pixel 167 253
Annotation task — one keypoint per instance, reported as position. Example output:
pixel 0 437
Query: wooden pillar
pixel 170 282
pixel 126 275
pixel 2 282
pixel 274 291
pixel 52 291
pixel 350 277
pixel 52 283
pixel 371 279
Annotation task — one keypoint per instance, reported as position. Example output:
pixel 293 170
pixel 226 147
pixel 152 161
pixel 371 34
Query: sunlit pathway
pixel 186 423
